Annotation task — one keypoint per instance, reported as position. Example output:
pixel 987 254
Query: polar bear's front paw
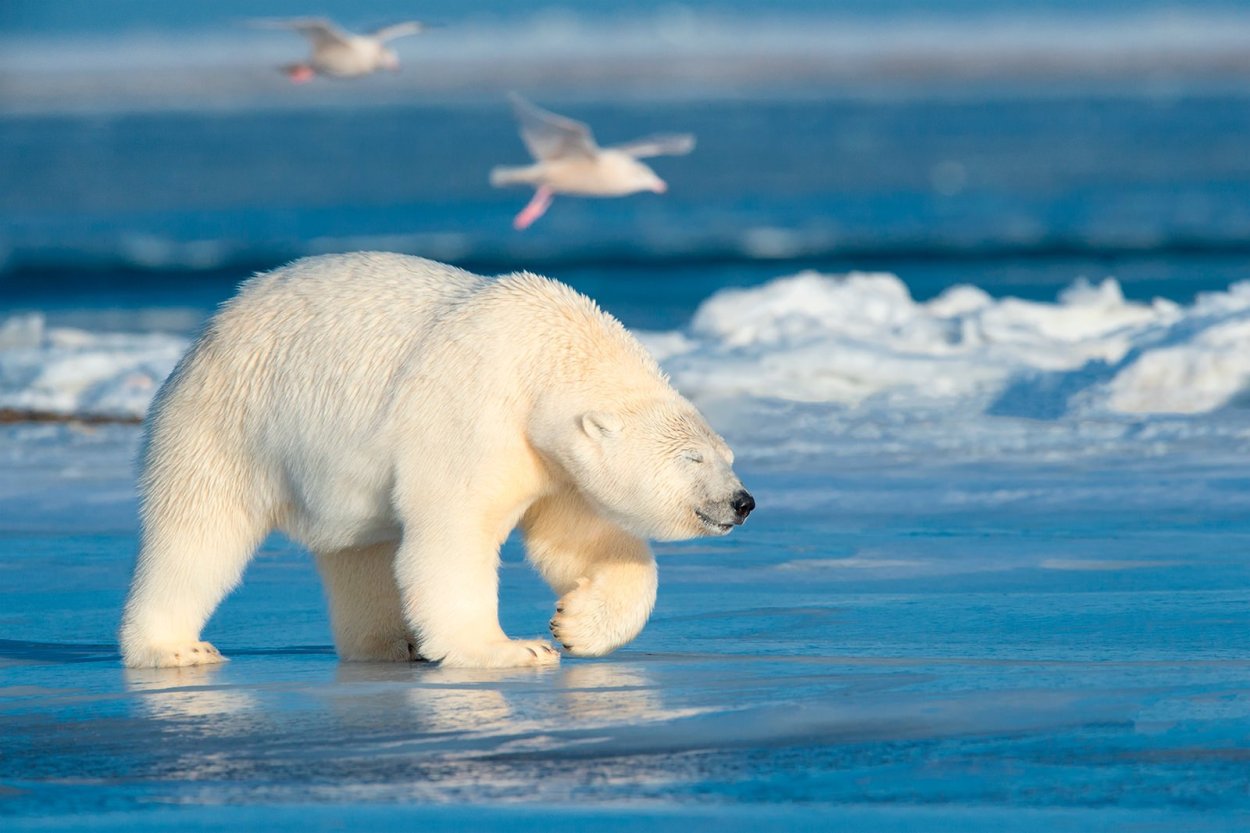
pixel 509 653
pixel 174 656
pixel 591 622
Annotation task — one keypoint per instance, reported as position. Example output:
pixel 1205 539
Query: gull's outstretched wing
pixel 551 136
pixel 661 144
pixel 400 30
pixel 317 29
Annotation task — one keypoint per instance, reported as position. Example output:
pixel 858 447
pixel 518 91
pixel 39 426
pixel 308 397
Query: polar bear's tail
pixel 504 175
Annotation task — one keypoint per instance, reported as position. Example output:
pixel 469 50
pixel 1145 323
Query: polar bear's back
pixel 322 384
pixel 291 388
pixel 337 293
pixel 324 339
pixel 327 333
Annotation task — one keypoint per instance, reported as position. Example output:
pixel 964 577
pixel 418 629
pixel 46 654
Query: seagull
pixel 567 160
pixel 343 54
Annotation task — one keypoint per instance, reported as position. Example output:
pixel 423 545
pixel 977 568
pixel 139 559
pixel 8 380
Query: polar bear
pixel 399 417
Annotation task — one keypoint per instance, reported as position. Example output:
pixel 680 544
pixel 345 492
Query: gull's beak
pixel 660 186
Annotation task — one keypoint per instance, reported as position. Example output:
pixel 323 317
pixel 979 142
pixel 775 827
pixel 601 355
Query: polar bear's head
pixel 657 469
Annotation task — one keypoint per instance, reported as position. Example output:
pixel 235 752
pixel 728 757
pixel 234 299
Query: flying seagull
pixel 567 160
pixel 343 54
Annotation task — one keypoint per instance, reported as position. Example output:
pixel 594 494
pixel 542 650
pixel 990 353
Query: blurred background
pixel 154 155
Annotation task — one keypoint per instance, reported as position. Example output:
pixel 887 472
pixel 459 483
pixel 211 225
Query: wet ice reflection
pixel 189 694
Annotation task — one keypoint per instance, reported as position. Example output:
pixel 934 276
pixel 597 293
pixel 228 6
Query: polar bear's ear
pixel 601 423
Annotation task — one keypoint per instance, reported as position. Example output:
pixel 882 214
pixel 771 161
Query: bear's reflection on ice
pixel 496 701
pixel 362 706
pixel 189 694
pixel 399 731
pixel 611 692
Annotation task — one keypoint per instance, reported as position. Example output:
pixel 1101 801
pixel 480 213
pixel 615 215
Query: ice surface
pixel 997 581
pixel 63 371
pixel 886 645
pixel 849 339
pixel 856 342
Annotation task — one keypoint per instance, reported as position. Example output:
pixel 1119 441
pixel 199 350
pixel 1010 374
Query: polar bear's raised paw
pixel 594 619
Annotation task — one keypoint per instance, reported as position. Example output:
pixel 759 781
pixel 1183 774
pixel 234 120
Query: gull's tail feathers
pixel 504 175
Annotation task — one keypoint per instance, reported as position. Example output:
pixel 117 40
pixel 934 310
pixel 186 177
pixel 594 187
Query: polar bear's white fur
pixel 400 417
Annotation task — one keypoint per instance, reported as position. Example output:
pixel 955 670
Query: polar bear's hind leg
pixel 198 535
pixel 365 609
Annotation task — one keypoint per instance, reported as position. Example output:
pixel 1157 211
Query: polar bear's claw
pixel 582 624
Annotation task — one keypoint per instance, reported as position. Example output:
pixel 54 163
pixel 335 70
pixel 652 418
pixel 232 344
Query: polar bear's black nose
pixel 742 504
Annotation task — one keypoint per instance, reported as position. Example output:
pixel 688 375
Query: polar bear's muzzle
pixel 719 518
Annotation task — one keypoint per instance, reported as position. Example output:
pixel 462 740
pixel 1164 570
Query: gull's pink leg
pixel 538 205
pixel 300 73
